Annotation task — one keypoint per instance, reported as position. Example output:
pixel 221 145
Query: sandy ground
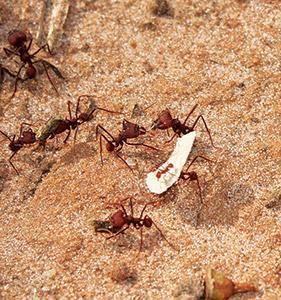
pixel 223 55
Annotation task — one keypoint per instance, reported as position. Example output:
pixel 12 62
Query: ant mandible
pixel 129 131
pixel 58 125
pixel 18 40
pixel 121 221
pixel 26 137
pixel 166 121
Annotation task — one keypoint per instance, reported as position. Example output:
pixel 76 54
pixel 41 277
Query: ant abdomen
pixel 30 72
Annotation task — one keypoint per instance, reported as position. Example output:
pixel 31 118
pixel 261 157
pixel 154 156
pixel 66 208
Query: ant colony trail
pixel 170 171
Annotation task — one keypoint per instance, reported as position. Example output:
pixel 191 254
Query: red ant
pixel 166 121
pixel 129 131
pixel 192 176
pixel 73 123
pixel 18 40
pixel 26 137
pixel 121 218
pixel 161 172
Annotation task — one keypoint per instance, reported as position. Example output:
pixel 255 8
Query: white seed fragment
pixel 169 172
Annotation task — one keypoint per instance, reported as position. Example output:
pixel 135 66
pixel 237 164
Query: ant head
pixel 110 146
pixel 28 136
pixel 118 219
pixel 147 221
pixel 31 71
pixel 164 120
pixel 132 130
pixel 17 38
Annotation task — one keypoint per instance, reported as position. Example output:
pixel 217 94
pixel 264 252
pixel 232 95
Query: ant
pixel 129 131
pixel 26 137
pixel 192 176
pixel 164 171
pixel 58 125
pixel 17 39
pixel 166 121
pixel 121 221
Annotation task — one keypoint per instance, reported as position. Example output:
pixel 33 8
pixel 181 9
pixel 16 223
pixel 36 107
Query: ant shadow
pixel 77 152
pixel 223 197
pixel 222 202
pixel 130 241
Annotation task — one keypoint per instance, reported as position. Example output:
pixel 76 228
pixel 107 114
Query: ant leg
pixel 201 201
pixel 17 79
pixel 77 106
pixel 68 135
pixel 163 236
pixel 192 176
pixel 141 144
pixel 124 210
pixel 118 204
pixel 5 135
pixel 143 211
pixel 131 206
pixel 101 150
pixel 103 109
pixel 195 158
pixel 173 136
pixel 10 161
pixel 5 70
pixel 95 108
pixel 43 62
pixel 41 48
pixel 54 68
pixel 9 52
pixel 69 109
pixel 141 239
pixel 118 232
pixel 124 161
pixel 103 129
pixel 45 68
pixel 29 45
pixel 2 74
pixel 168 133
pixel 189 114
pixel 75 134
pixel 205 124
pixel 105 138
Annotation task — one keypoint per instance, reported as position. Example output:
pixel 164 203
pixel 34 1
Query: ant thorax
pixel 15 146
pixel 179 128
